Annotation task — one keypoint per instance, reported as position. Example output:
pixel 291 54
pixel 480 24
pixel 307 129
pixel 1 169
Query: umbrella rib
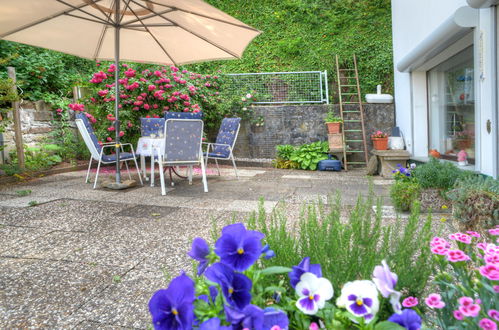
pixel 101 37
pixel 83 11
pixel 27 26
pixel 123 12
pixel 196 34
pixel 242 25
pixel 148 25
pixel 152 36
pixel 146 17
pixel 87 19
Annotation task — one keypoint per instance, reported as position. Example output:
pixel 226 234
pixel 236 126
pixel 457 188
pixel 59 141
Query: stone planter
pixel 333 128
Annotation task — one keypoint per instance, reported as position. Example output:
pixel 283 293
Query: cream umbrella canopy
pixel 152 31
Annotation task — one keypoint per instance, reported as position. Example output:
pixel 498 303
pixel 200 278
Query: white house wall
pixel 412 22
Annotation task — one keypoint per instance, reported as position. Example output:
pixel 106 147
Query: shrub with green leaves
pixel 39 158
pixel 349 250
pixel 308 155
pixel 438 174
pixel 476 202
pixel 283 155
pixel 404 193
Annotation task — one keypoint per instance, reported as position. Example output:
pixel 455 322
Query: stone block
pixel 43 115
pixel 389 160
pixel 38 130
pixel 335 141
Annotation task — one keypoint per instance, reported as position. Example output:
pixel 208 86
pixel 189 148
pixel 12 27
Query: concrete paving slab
pixel 296 176
pixel 250 206
pixel 14 235
pixel 48 291
pixel 27 201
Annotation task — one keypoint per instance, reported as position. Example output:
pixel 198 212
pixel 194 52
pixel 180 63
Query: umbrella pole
pixel 117 86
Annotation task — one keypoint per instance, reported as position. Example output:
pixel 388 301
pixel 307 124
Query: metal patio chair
pixel 224 144
pixel 183 115
pixel 152 126
pixel 97 150
pixel 182 147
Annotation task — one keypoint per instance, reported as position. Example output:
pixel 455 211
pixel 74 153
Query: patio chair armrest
pixel 222 144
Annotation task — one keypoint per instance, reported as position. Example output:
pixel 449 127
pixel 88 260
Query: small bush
pixel 284 151
pixel 438 174
pixel 476 202
pixel 404 193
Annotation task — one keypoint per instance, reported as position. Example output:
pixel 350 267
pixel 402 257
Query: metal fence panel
pixel 282 87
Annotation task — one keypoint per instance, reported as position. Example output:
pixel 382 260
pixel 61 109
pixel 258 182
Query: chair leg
pixel 152 170
pixel 97 175
pixel 88 171
pixel 190 174
pixel 218 168
pixel 234 164
pixel 170 170
pixel 161 176
pixel 128 169
pixel 143 166
pixel 138 171
pixel 203 172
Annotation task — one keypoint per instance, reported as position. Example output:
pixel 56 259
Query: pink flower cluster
pixel 410 302
pixel 491 257
pixel 440 246
pixel 464 238
pixel 468 307
pixel 77 107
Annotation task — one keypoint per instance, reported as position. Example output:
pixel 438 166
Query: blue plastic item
pixel 329 165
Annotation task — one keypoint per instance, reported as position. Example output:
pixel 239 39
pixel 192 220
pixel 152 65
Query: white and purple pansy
pixel 360 298
pixel 313 292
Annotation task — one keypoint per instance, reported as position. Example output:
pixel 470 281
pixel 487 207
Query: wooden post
pixel 17 120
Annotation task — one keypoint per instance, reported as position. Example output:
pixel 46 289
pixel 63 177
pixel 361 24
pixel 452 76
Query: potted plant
pixel 380 140
pixel 333 123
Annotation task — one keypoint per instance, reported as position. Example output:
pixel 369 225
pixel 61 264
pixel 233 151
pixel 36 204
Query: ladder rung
pixel 349 93
pixel 352 121
pixel 348 85
pixel 346 111
pixel 347 69
pixel 355 150
pixel 356 163
pixel 354 140
pixel 350 102
pixel 348 77
pixel 353 130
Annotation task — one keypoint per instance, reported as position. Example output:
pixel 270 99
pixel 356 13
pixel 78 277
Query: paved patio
pixel 83 258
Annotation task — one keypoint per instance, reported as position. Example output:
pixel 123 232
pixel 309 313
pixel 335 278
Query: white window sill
pixel 469 167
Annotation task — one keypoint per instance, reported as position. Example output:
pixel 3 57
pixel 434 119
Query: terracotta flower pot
pixel 333 128
pixel 380 143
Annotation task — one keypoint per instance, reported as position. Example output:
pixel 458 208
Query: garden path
pixel 84 258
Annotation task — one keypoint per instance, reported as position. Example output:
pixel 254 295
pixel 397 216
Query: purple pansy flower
pixel 250 317
pixel 213 295
pixel 303 267
pixel 274 317
pixel 238 247
pixel 360 298
pixel 199 251
pixel 313 292
pixel 358 304
pixel 235 287
pixel 172 308
pixel 386 281
pixel 213 324
pixel 409 319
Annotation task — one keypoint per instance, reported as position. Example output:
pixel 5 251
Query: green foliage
pixel 476 202
pixel 315 31
pixel 404 193
pixel 438 174
pixel 332 118
pixel 350 249
pixel 22 193
pixel 284 151
pixel 7 96
pixel 308 155
pixel 39 158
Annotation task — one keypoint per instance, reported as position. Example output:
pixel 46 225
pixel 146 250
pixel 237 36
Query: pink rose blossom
pixel 150 88
pixel 112 68
pixel 130 73
pixel 111 128
pixel 122 133
pixel 458 315
pixel 456 256
pixel 493 314
pixel 487 324
pixel 490 271
pixel 434 300
pixel 410 302
pixel 109 139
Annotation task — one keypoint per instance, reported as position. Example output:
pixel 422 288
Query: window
pixel 452 106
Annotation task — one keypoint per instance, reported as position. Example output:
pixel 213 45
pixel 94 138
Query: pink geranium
pixel 487 324
pixel 493 314
pixel 410 302
pixel 457 255
pixel 458 315
pixel 473 233
pixel 466 239
pixel 434 300
pixel 468 307
pixel 490 271
pixel 494 231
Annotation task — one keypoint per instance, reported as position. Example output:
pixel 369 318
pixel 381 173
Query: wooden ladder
pixel 353 118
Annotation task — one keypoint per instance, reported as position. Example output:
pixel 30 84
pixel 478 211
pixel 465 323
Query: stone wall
pixel 299 124
pixel 35 125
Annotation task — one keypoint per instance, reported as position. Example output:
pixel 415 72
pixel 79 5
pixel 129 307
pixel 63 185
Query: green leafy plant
pixel 39 158
pixel 308 155
pixel 438 174
pixel 284 151
pixel 23 193
pixel 404 193
pixel 475 202
pixel 33 203
pixel 332 118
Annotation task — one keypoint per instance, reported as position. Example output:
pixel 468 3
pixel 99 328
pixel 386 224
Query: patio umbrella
pixel 151 31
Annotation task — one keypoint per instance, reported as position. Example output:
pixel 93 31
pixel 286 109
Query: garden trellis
pixel 281 87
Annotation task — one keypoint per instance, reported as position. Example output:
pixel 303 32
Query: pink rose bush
pixel 468 283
